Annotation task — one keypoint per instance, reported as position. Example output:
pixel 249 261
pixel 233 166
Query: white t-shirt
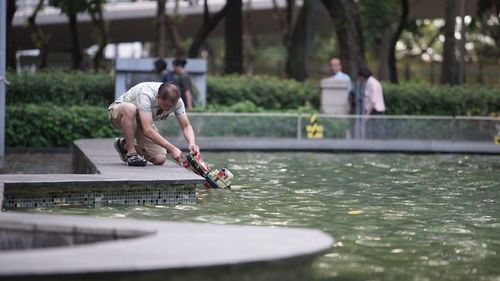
pixel 143 96
pixel 374 96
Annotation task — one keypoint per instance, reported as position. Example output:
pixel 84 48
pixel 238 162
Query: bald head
pixel 335 65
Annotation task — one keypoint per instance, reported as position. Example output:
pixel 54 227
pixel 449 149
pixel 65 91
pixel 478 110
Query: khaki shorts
pixel 146 146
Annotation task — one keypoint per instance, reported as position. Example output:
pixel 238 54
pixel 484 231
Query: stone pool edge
pixel 168 249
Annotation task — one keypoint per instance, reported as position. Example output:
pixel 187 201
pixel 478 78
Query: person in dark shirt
pixel 161 69
pixel 184 83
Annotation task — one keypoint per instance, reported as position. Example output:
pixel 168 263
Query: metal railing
pixel 285 125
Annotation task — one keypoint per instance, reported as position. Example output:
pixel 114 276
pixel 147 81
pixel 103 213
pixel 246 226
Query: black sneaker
pixel 134 159
pixel 120 148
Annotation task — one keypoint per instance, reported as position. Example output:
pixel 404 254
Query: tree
pixel 71 8
pixel 286 20
pixel 40 39
pixel 345 15
pixel 378 31
pixel 393 72
pixel 100 30
pixel 302 38
pixel 173 30
pixel 449 64
pixel 250 42
pixel 299 30
pixel 208 25
pixel 233 32
pixel 11 45
pixel 160 28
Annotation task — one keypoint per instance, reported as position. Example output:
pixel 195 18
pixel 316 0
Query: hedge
pixel 61 87
pixel 48 125
pixel 270 93
pixel 426 99
pixel 253 94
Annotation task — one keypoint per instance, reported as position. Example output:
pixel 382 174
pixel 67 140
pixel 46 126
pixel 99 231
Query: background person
pixel 135 111
pixel 336 70
pixel 161 69
pixel 184 82
pixel 373 102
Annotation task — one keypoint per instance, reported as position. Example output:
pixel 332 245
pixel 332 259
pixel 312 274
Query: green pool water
pixel 417 217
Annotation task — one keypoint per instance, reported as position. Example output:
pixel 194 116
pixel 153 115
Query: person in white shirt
pixel 374 104
pixel 374 95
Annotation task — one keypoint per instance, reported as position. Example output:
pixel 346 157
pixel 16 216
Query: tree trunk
pixel 449 58
pixel 302 39
pixel 160 29
pixel 249 41
pixel 101 32
pixel 39 37
pixel 383 54
pixel 345 15
pixel 233 42
pixel 394 40
pixel 11 44
pixel 209 24
pixel 175 37
pixel 463 40
pixel 286 20
pixel 76 52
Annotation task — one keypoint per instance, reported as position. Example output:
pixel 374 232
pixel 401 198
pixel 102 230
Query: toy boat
pixel 213 178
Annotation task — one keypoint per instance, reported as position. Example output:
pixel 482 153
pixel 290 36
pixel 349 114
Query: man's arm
pixel 147 126
pixel 188 132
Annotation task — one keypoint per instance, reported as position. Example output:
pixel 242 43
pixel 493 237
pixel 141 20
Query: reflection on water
pixel 394 216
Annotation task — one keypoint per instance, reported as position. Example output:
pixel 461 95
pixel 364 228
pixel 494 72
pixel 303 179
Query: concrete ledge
pixel 104 180
pixel 162 251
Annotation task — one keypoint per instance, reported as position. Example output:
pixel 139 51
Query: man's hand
pixel 176 155
pixel 194 149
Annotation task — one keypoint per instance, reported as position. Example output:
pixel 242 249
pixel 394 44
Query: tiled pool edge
pixel 102 174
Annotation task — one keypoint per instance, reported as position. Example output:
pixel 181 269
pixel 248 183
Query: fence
pixel 391 127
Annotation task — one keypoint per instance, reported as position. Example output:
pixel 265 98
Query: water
pixel 394 216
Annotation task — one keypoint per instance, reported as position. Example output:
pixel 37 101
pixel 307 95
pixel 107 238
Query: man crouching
pixel 134 113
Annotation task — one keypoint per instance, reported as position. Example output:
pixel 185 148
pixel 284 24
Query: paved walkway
pixel 102 155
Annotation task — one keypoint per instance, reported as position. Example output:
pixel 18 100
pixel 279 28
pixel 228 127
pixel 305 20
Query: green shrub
pixel 61 87
pixel 48 125
pixel 270 93
pixel 233 93
pixel 426 99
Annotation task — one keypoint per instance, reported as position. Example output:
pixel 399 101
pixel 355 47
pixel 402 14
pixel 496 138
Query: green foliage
pixel 267 92
pixel 374 25
pixel 61 87
pixel 48 125
pixel 426 99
